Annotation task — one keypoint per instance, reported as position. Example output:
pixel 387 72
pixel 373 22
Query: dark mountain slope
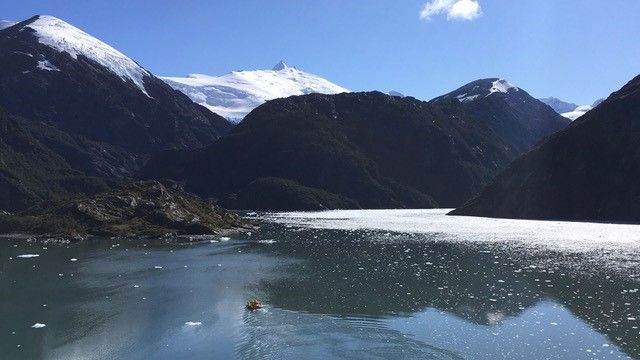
pixel 366 150
pixel 39 162
pixel 518 119
pixel 54 72
pixel 589 171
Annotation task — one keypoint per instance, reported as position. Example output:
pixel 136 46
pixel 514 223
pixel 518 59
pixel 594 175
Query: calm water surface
pixel 342 284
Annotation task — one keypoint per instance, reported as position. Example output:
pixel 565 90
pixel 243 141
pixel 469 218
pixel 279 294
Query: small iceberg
pixel 266 241
pixel 193 323
pixel 157 267
pixel 28 256
pixel 38 325
pixel 73 260
pixel 224 238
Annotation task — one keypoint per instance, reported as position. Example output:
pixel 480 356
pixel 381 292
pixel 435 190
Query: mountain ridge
pixel 353 150
pixel 518 119
pixel 586 172
pixel 52 72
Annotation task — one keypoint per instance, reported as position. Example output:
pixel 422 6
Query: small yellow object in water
pixel 254 305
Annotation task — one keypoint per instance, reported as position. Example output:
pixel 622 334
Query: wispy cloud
pixel 455 9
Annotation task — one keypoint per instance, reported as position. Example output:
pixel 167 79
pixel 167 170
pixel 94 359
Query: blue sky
pixel 574 49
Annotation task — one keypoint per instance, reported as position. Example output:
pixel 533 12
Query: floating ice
pixel 27 256
pixel 38 325
pixel 193 323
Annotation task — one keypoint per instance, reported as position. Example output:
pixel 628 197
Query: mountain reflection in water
pixel 435 287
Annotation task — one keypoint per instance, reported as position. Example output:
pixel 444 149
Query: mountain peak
pixel 234 95
pixel 64 37
pixel 480 89
pixel 282 66
pixel 502 86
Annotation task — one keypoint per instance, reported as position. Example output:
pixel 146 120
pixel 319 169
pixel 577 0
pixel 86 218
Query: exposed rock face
pixel 139 209
pixel 589 171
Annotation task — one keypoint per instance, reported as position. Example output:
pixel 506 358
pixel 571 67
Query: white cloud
pixel 455 9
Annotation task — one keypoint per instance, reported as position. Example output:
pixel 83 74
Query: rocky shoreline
pixel 145 209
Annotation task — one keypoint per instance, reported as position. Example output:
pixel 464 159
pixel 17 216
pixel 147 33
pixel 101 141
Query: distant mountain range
pixel 234 95
pixel 364 150
pixel 78 119
pixel 569 110
pixel 587 172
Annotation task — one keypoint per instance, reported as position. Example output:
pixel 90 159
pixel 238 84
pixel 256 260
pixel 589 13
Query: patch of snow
pixel 578 112
pixel 47 66
pixel 234 95
pixel 501 86
pixel 23 53
pixel 6 23
pixel 65 37
pixel 396 93
pixel 38 325
pixel 224 238
pixel 27 256
pixel 464 98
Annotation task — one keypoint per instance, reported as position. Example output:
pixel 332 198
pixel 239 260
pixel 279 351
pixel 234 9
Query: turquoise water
pixel 362 285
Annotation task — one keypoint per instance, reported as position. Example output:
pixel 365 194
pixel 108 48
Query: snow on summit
pixel 234 95
pixel 501 86
pixel 479 89
pixel 65 37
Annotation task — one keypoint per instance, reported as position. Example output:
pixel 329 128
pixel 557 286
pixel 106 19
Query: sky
pixel 577 50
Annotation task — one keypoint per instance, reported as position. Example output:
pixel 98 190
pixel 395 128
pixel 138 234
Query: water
pixel 342 284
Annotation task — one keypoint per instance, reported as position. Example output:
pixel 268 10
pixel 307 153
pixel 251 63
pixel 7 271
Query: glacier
pixel 235 94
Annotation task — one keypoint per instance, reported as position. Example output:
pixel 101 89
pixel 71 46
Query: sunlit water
pixel 341 284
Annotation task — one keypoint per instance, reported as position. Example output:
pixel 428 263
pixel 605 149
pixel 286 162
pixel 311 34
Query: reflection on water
pixel 335 285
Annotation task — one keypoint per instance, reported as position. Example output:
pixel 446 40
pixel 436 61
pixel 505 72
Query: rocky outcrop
pixel 139 209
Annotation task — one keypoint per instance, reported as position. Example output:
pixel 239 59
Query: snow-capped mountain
pixel 587 172
pixel 234 95
pixel 519 119
pixel 479 89
pixel 56 73
pixel 64 37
